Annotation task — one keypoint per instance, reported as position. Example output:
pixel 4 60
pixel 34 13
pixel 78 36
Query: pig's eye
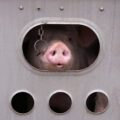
pixel 70 39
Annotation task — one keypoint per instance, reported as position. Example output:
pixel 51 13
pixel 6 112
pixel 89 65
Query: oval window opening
pixel 60 102
pixel 97 102
pixel 60 47
pixel 22 102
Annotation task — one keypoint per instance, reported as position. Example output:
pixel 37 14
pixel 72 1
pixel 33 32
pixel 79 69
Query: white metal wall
pixel 15 75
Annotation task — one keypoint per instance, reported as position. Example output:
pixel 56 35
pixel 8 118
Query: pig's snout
pixel 58 54
pixel 58 57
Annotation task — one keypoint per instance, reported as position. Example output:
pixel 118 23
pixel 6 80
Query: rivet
pixel 61 8
pixel 101 9
pixel 21 7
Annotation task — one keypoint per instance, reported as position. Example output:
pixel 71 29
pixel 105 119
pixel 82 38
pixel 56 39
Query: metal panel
pixel 15 76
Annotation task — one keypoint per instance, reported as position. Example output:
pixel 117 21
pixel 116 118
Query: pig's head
pixel 58 56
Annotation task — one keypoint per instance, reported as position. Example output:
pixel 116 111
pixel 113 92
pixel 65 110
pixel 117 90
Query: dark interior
pixel 87 40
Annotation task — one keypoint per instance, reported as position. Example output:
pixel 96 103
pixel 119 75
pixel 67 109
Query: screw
pixel 101 9
pixel 38 8
pixel 21 7
pixel 61 8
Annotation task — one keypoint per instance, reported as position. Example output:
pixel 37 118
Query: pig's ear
pixel 86 36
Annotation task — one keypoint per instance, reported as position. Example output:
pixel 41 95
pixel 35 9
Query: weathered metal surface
pixel 103 16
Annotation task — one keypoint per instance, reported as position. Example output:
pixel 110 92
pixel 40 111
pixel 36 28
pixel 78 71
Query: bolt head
pixel 61 8
pixel 21 7
pixel 101 9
